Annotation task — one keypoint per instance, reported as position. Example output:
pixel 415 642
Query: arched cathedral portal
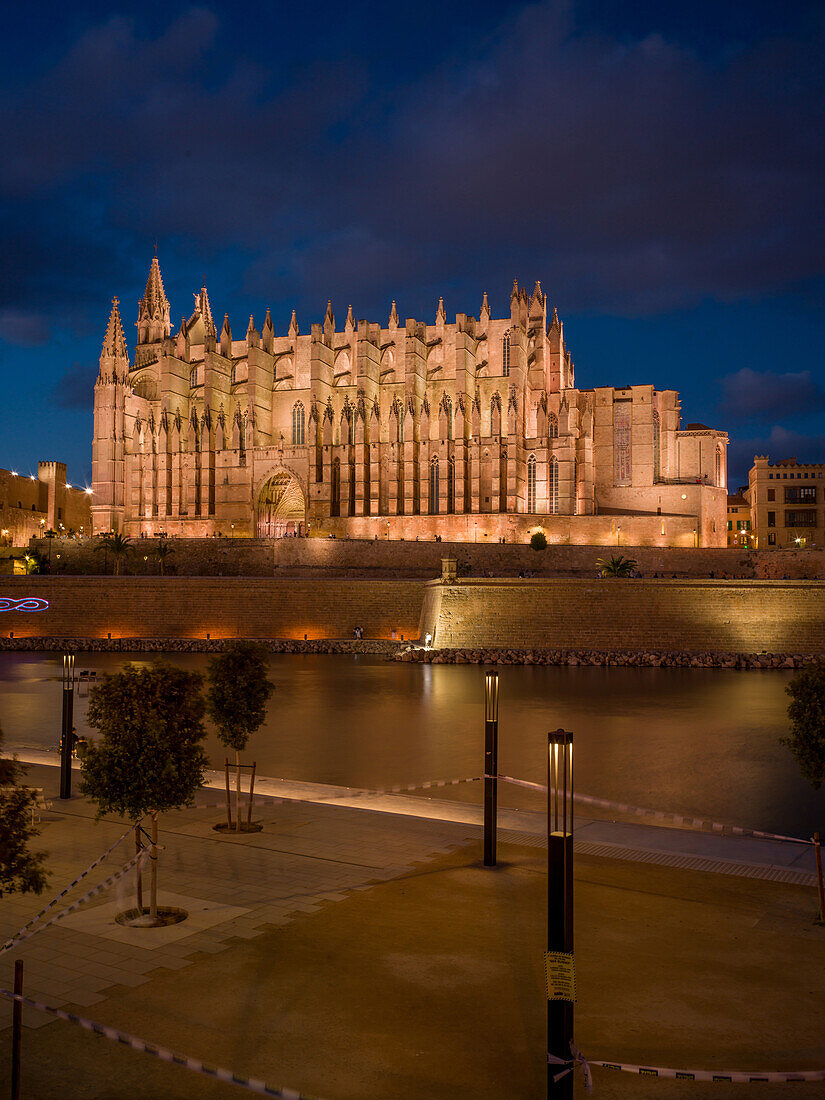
pixel 281 507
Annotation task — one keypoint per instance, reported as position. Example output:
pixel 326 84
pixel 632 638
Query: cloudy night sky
pixel 659 167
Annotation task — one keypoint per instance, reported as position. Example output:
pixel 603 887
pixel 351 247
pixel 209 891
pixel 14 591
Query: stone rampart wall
pixel 693 616
pixel 589 615
pixel 364 557
pixel 192 607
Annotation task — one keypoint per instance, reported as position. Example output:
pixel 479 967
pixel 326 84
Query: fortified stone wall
pixel 197 607
pixel 696 616
pixel 361 557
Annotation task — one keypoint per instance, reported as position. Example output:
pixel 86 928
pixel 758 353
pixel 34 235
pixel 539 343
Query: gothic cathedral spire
pixel 114 342
pixel 153 322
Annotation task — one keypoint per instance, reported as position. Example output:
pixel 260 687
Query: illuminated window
pixel 553 486
pixel 657 445
pixel 298 425
pixel 621 443
pixel 435 485
pixel 531 483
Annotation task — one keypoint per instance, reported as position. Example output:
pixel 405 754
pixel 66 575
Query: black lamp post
pixel 66 745
pixel 560 971
pixel 490 766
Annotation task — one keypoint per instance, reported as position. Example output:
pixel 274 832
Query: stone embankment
pixel 642 659
pixel 366 646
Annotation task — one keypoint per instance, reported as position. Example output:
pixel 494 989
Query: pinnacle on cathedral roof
pixel 485 305
pixel 268 320
pixel 114 342
pixel 329 316
pixel 350 321
pixel 393 314
pixel 293 325
pixel 514 291
pixel 555 323
pixel 537 292
pixel 154 302
pixel 440 314
pixel 203 307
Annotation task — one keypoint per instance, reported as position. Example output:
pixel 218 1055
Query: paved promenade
pixel 356 948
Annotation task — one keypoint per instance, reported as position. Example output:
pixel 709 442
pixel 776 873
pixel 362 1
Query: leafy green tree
pixel 119 546
pixel 616 566
pixel 163 550
pixel 21 870
pixel 538 540
pixel 33 561
pixel 806 712
pixel 149 758
pixel 236 701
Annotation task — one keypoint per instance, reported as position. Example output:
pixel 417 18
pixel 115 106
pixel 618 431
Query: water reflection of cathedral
pixel 470 430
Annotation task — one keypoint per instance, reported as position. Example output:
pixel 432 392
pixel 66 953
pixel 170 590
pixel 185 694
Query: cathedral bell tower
pixel 108 444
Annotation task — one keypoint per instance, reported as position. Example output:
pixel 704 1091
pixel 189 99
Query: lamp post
pixel 561 990
pixel 490 766
pixel 66 739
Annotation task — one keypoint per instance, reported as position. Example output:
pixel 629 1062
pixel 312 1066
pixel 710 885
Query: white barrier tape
pixel 578 1061
pixel 164 1055
pixel 99 889
pixel 63 893
pixel 741 1077
pixel 431 784
pixel 661 815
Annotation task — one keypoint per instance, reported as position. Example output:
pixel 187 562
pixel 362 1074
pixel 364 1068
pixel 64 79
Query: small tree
pixel 119 546
pixel 21 870
pixel 538 540
pixel 617 566
pixel 236 701
pixel 149 759
pixel 162 552
pixel 806 712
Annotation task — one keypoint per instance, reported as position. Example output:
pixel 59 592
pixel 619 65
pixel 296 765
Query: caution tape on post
pixel 661 815
pixel 431 784
pixel 742 1077
pixel 27 932
pixel 140 1045
pixel 67 890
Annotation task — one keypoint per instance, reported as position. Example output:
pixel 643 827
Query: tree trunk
pixel 153 881
pixel 228 796
pixel 138 847
pixel 237 791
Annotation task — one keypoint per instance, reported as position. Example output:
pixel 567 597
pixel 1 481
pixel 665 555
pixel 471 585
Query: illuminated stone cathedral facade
pixel 472 430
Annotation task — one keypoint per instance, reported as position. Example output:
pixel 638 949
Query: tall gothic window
pixel 621 443
pixel 553 426
pixel 719 478
pixel 346 426
pixel 233 377
pixel 193 377
pixel 399 422
pixel 335 503
pixel 435 485
pixel 657 447
pixel 352 488
pixel 298 425
pixel 451 485
pixel 505 353
pixel 553 486
pixel 575 486
pixel 531 483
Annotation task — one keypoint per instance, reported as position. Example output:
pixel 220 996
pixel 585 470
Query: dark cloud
pixel 779 443
pixel 26 330
pixel 755 395
pixel 75 389
pixel 632 175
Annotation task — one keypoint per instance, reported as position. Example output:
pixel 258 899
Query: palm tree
pixel 162 552
pixel 616 566
pixel 119 546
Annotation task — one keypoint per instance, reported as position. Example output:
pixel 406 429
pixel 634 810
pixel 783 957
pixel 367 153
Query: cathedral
pixel 470 430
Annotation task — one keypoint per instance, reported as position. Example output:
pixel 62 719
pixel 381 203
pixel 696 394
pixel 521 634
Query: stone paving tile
pixel 307 856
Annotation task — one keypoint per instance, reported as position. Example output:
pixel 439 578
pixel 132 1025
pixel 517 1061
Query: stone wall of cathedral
pixel 403 430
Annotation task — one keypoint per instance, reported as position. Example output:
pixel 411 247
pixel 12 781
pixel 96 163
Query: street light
pixel 490 766
pixel 561 979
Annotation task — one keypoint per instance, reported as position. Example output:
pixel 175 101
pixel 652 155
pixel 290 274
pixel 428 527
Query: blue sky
pixel 659 167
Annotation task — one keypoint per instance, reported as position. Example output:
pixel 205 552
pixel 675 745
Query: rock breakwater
pixel 630 659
